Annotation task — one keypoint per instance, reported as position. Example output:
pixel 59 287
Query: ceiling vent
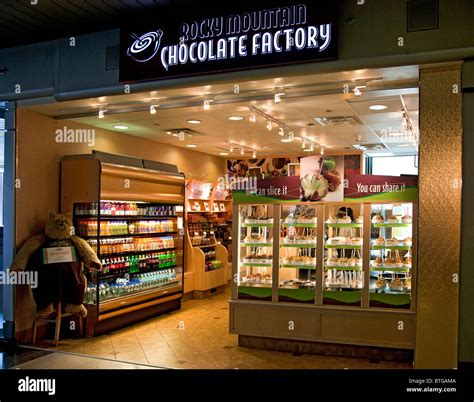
pixel 339 121
pixel 189 132
pixel 369 147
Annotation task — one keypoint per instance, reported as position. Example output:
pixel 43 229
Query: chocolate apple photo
pixel 322 178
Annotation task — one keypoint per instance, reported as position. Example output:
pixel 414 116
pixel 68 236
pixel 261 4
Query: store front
pixel 314 270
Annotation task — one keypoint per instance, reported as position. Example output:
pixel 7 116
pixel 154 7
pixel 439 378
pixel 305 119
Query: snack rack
pixel 208 212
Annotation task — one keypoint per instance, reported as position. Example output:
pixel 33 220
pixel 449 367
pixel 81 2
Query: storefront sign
pixel 372 188
pixel 223 39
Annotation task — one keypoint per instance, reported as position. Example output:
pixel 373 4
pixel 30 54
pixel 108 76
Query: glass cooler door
pixel 391 255
pixel 298 243
pixel 255 252
pixel 343 261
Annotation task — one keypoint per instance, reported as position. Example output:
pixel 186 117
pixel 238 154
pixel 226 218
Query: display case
pixel 343 254
pixel 297 253
pixel 308 271
pixel 391 255
pixel 207 231
pixel 137 233
pixel 255 252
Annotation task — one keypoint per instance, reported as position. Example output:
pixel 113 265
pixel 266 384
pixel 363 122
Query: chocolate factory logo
pixel 145 47
pixel 264 32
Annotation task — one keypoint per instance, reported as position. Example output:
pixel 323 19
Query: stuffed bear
pixel 63 282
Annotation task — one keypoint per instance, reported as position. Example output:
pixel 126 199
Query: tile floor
pixel 197 337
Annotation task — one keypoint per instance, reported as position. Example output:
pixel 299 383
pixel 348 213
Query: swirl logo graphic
pixel 146 46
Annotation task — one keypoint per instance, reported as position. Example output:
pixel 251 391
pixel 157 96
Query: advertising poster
pixel 322 178
pixel 264 168
pixel 372 188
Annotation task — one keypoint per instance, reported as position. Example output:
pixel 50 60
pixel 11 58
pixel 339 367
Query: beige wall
pixel 38 157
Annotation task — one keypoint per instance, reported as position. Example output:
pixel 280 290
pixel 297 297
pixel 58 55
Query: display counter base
pixel 204 294
pixel 327 349
pixel 326 324
pixel 103 325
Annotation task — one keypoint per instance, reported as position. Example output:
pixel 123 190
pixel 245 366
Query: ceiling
pixel 29 21
pixel 350 122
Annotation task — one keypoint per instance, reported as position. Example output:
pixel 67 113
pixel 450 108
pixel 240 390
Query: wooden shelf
pixel 204 246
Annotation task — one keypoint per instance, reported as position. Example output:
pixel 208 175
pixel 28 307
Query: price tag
pixel 54 255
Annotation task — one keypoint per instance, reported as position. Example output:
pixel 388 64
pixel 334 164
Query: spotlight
pixel 269 125
pixel 291 136
pixel 254 154
pixel 207 104
pixel 322 151
pixel 253 118
pixel 303 145
pixel 277 97
pixel 242 152
pixel 281 131
pixel 153 109
pixel 102 114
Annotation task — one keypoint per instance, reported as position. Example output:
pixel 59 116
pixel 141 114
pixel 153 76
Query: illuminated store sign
pixel 229 41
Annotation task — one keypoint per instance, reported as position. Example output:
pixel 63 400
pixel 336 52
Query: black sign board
pixel 204 40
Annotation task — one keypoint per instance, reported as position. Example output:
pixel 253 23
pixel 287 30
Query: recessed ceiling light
pixel 223 153
pixel 194 121
pixel 378 107
pixel 235 118
pixel 119 127
pixel 191 145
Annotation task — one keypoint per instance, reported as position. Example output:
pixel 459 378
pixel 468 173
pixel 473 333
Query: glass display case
pixel 255 252
pixel 364 253
pixel 297 259
pixel 139 245
pixel 391 255
pixel 343 254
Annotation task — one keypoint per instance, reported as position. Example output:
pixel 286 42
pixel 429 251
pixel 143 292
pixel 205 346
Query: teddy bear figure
pixel 59 258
